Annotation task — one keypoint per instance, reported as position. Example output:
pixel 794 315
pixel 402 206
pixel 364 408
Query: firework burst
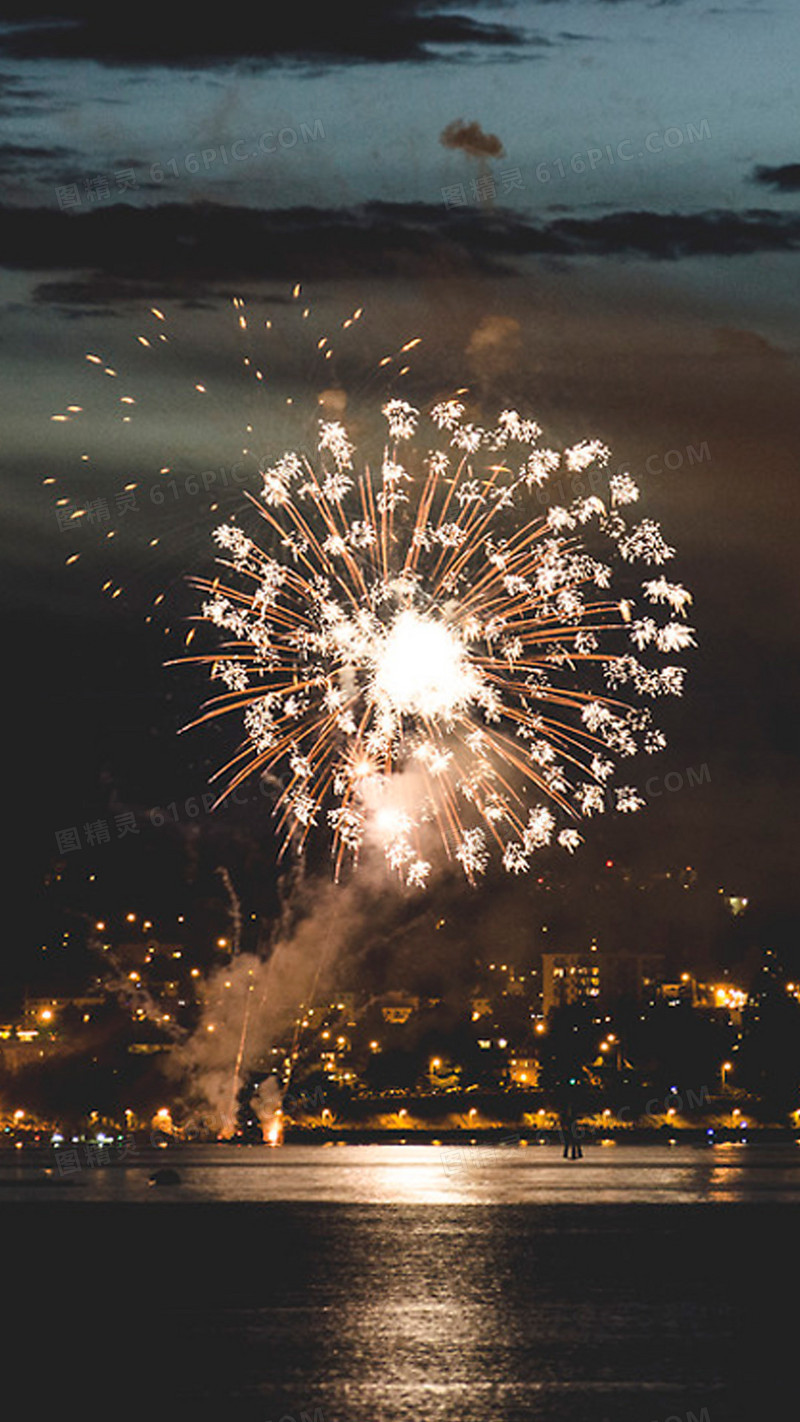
pixel 417 659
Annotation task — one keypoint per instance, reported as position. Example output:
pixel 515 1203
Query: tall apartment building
pixel 596 978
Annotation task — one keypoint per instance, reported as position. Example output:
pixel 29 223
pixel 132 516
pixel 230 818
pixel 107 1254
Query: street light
pixel 726 1067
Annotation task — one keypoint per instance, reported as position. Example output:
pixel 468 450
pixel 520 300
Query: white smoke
pixel 251 1003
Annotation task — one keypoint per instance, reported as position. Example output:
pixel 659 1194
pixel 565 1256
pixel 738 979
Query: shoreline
pixel 476 1138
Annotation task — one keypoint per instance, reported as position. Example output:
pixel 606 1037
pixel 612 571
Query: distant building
pixel 397 1009
pixel 594 978
pixel 683 991
pixel 140 952
pixel 45 1011
pixel 27 1048
pixel 481 1007
pixel 523 1071
pixel 722 997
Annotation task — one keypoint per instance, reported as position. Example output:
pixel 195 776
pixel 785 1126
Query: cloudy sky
pixel 587 206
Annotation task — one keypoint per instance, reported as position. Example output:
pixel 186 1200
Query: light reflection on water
pixel 435 1175
pixel 383 1284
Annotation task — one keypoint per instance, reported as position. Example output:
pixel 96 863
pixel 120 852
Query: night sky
pixel 613 246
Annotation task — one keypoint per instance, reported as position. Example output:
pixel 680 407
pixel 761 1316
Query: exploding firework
pixel 418 660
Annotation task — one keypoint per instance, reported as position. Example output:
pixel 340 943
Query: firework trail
pixel 236 934
pixel 416 659
pixel 235 909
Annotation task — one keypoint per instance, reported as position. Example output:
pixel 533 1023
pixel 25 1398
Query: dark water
pixel 405 1312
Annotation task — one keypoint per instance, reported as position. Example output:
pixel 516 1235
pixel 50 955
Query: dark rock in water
pixel 167 1176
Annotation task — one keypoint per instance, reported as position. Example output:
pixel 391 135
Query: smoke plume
pixel 469 138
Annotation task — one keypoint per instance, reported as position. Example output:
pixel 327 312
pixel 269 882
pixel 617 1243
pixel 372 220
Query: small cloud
pixel 333 403
pixel 731 341
pixel 493 349
pixel 495 344
pixel 470 138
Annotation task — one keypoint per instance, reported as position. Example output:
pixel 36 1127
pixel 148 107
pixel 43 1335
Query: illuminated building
pixel 137 954
pixel 398 1009
pixel 523 1071
pixel 481 1007
pixel 594 978
pixel 44 1012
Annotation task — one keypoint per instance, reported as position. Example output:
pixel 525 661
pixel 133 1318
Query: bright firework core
pixel 423 670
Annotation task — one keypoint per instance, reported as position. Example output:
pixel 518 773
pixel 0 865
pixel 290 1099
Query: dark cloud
pixel 670 236
pixel 470 138
pixel 15 158
pixel 360 30
pixel 785 178
pixel 19 100
pixel 98 294
pixel 193 249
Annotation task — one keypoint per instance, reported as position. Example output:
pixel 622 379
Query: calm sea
pixel 408 1284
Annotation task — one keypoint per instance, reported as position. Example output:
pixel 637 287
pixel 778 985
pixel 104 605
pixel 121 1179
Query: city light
pixel 731 997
